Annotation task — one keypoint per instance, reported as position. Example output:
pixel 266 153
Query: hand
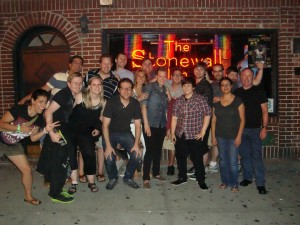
pixel 147 130
pixel 173 138
pixel 108 152
pixel 237 142
pixel 214 141
pixel 263 133
pixel 259 65
pixel 200 136
pixel 55 137
pixel 95 132
pixel 49 127
pixel 216 99
pixel 26 129
pixel 168 134
pixel 137 150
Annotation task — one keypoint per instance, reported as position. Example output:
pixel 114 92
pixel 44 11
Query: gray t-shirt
pixel 228 119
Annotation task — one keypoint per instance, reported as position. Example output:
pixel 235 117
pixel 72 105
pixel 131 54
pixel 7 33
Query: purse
pixel 13 137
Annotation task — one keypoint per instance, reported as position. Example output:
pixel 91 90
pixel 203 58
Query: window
pixel 184 48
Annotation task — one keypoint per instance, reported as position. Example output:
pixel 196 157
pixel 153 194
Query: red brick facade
pixel 284 15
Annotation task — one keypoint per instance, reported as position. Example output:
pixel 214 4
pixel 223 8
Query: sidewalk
pixel 164 204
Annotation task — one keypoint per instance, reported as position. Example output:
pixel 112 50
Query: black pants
pixel 154 145
pixel 86 143
pixel 194 148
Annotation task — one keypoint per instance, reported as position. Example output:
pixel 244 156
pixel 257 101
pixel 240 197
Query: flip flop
pixel 100 177
pixel 33 201
pixel 82 179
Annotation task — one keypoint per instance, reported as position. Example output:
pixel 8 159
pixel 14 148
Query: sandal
pixel 234 189
pixel 100 177
pixel 93 187
pixel 223 186
pixel 82 178
pixel 72 189
pixel 33 201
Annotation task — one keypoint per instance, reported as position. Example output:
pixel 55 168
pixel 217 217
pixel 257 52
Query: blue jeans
pixel 251 156
pixel 126 140
pixel 228 162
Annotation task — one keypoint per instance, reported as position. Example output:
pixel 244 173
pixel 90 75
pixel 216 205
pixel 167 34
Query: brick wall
pixel 18 16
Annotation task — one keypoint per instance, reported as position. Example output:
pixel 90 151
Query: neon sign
pixel 138 55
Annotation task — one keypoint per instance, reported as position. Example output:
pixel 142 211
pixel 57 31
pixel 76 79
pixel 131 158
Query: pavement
pixel 163 204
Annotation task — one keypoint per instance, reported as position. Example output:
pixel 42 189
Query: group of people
pixel 105 110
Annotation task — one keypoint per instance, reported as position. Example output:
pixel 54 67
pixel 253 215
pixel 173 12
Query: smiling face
pixel 125 90
pixel 39 104
pixel 121 61
pixel 147 66
pixel 105 65
pixel 247 78
pixel 177 77
pixel 217 72
pixel 95 86
pixel 199 72
pixel 75 85
pixel 187 90
pixel 76 65
pixel 161 77
pixel 225 86
pixel 140 78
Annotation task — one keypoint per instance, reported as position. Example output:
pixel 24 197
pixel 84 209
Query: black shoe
pixel 262 190
pixel 171 170
pixel 203 186
pixel 245 183
pixel 131 183
pixel 190 171
pixel 179 182
pixel 192 177
pixel 111 184
pixel 62 199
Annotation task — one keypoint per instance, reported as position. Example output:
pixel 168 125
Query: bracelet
pixel 264 127
pixel 18 127
pixel 45 132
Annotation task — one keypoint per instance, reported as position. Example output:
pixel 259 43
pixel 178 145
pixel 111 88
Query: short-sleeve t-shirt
pixel 120 115
pixel 65 99
pixel 252 99
pixel 20 115
pixel 228 119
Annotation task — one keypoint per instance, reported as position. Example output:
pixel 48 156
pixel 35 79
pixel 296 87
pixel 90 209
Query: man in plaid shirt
pixel 190 119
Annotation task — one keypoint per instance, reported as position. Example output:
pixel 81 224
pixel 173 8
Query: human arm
pixel 213 128
pixel 238 139
pixel 173 128
pixel 55 137
pixel 259 75
pixel 145 119
pixel 105 129
pixel 5 124
pixel 265 118
pixel 205 125
pixel 37 133
pixel 135 148
pixel 28 97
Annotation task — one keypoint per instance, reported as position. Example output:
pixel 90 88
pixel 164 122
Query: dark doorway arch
pixel 40 52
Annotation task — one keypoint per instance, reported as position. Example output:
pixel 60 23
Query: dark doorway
pixel 41 52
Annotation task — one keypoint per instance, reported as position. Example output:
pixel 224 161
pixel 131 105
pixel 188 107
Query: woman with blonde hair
pixel 86 126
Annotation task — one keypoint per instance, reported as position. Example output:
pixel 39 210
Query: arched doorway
pixel 40 52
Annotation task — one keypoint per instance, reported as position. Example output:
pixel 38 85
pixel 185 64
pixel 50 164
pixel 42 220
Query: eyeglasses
pixel 225 85
pixel 177 75
pixel 126 89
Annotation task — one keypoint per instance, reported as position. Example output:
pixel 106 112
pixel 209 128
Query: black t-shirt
pixel 65 99
pixel 252 99
pixel 121 116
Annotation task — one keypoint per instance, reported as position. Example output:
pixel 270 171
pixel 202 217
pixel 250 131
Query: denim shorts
pixel 11 150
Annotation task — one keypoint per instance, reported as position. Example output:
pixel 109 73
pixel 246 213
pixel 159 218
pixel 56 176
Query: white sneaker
pixel 213 169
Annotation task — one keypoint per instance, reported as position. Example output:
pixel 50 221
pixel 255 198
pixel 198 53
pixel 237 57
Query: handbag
pixel 13 137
